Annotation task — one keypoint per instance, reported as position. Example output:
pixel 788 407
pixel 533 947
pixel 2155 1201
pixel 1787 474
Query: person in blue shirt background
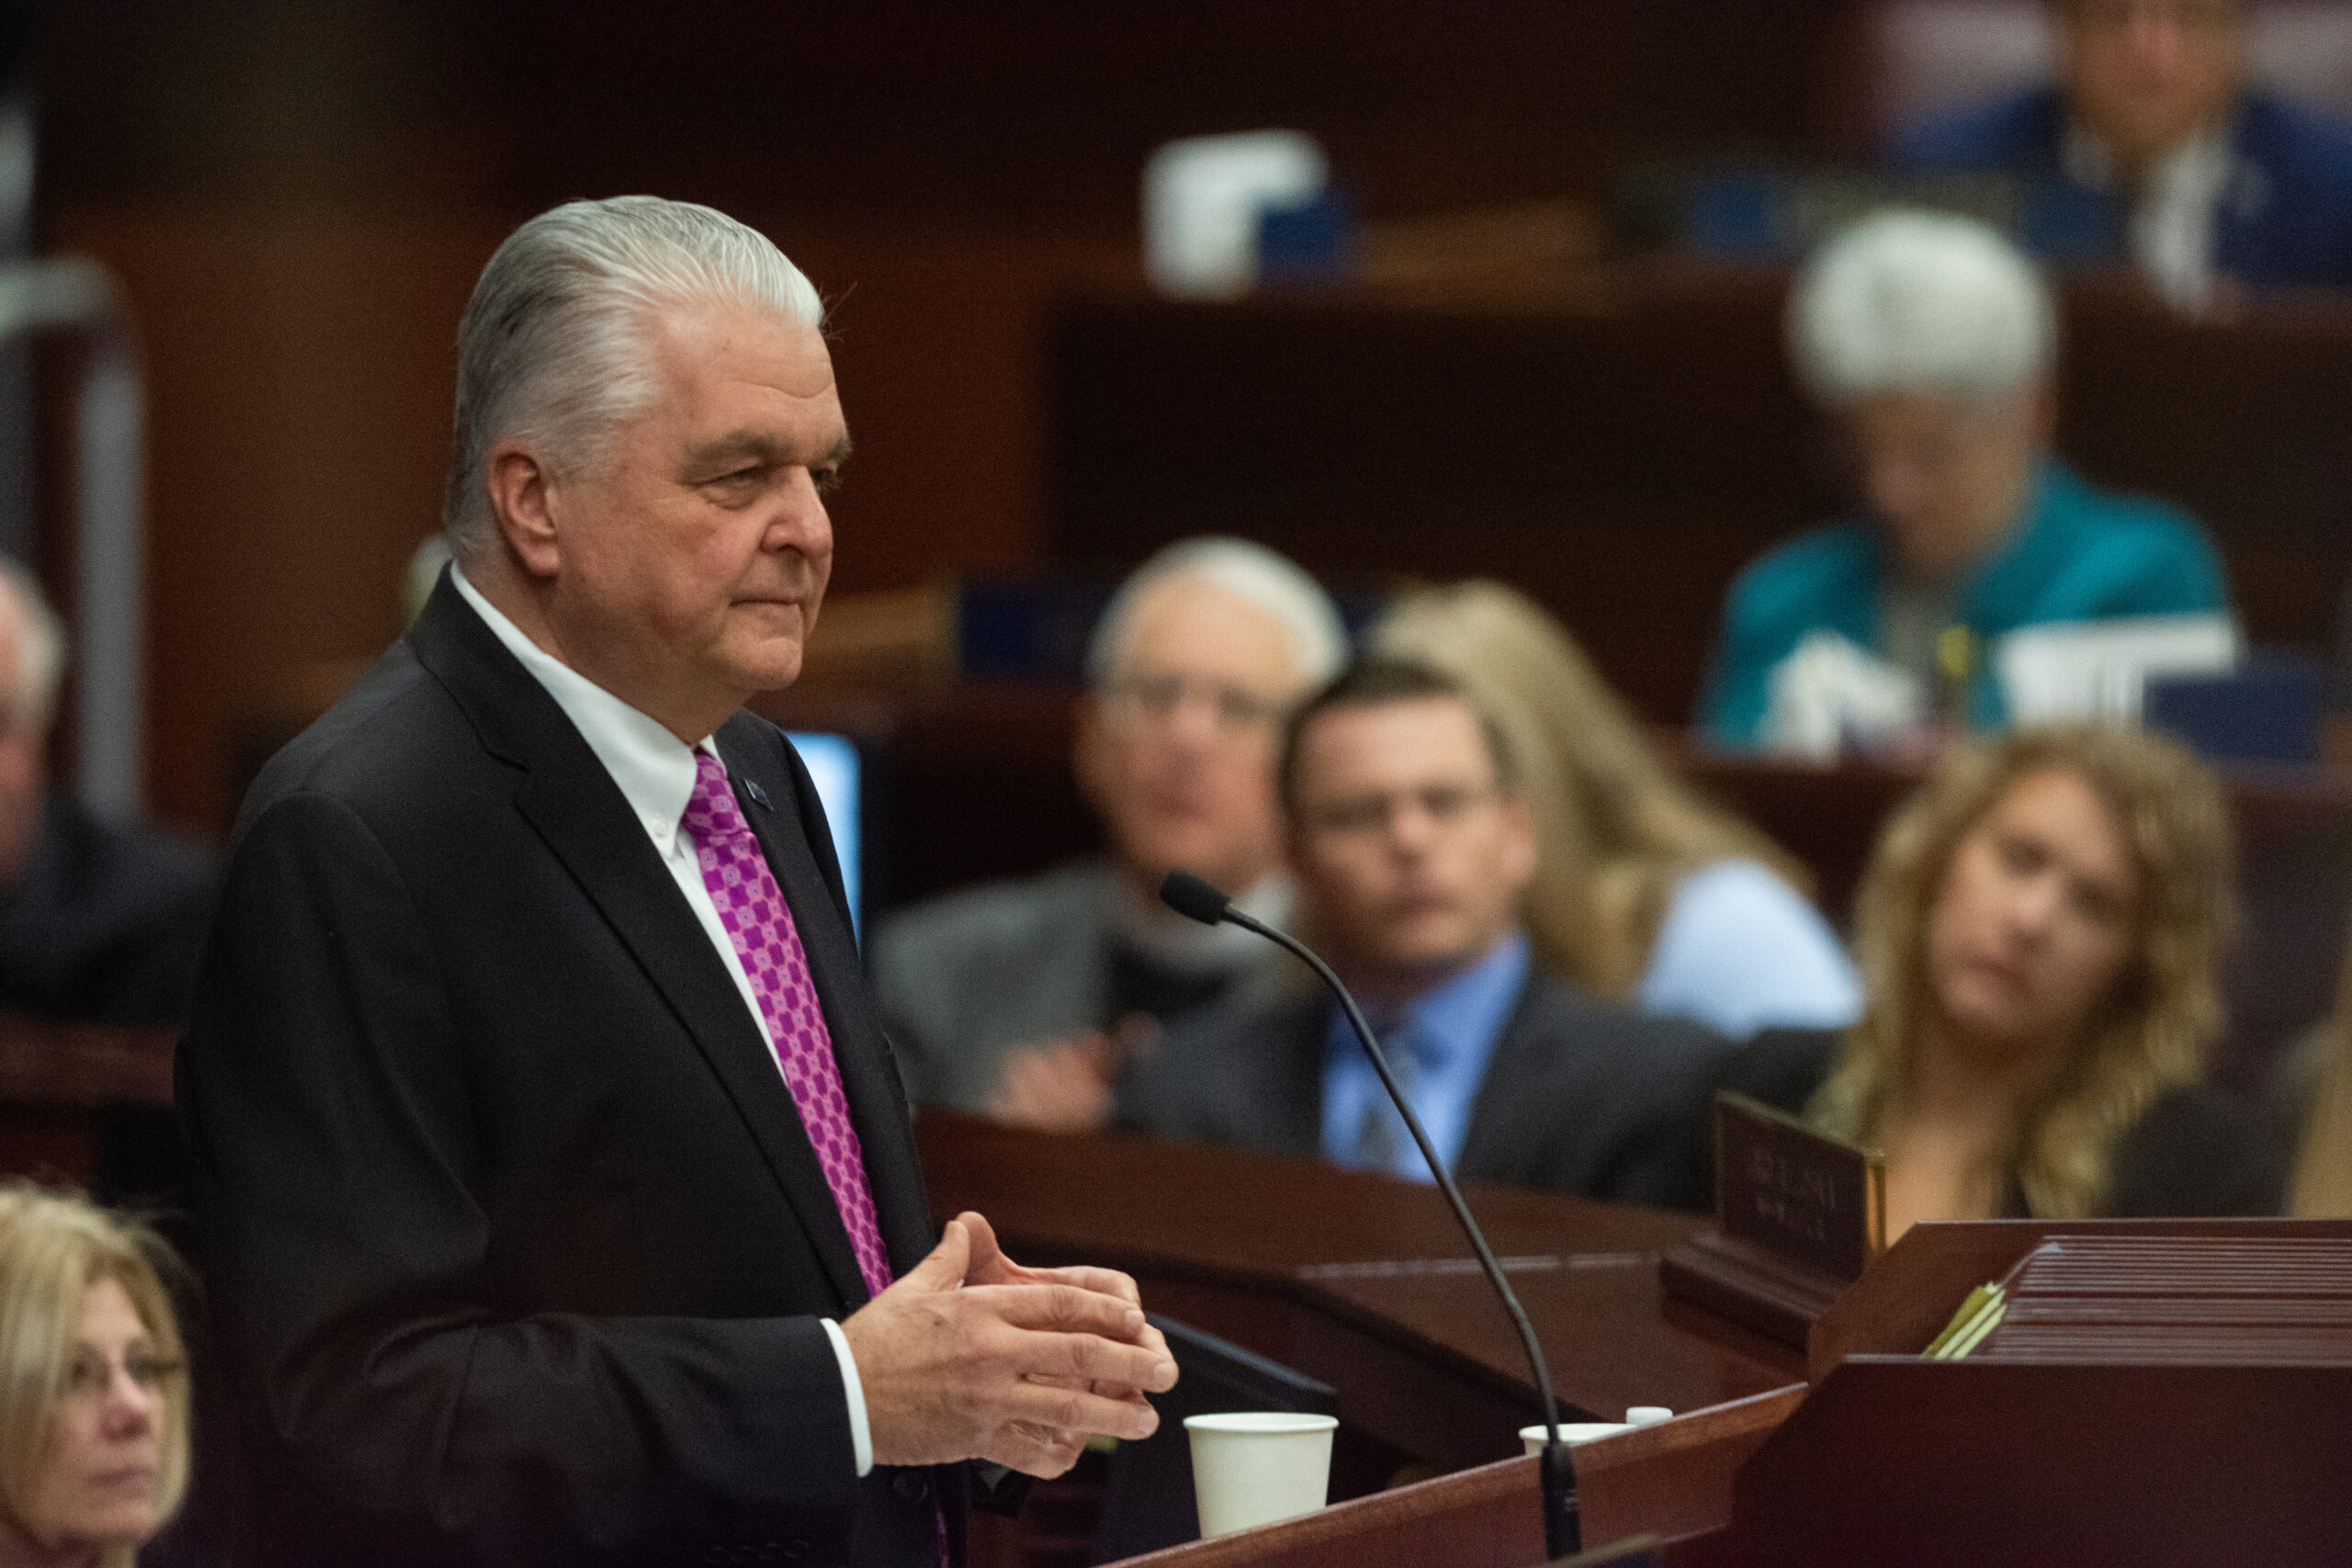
pixel 1932 341
pixel 2153 150
pixel 1645 892
pixel 1412 843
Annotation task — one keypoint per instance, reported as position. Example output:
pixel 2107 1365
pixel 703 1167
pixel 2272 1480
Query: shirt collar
pixel 2198 165
pixel 1465 1014
pixel 654 769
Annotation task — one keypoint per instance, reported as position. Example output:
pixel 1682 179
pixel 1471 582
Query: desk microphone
pixel 1195 899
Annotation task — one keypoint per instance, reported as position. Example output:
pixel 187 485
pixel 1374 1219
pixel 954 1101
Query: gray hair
pixel 1251 572
pixel 1916 301
pixel 548 350
pixel 40 650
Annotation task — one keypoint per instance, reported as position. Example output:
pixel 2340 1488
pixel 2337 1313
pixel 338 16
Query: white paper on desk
pixel 1829 694
pixel 2073 669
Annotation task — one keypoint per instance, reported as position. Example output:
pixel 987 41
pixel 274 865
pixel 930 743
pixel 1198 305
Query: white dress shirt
pixel 655 770
pixel 2171 231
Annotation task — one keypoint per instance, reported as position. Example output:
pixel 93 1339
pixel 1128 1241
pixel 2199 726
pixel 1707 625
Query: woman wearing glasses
pixel 94 1425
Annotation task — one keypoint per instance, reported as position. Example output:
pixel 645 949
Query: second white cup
pixel 1532 1438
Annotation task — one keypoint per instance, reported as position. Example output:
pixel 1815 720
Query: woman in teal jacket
pixel 1932 341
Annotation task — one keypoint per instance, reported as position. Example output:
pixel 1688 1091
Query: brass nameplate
pixel 1800 1195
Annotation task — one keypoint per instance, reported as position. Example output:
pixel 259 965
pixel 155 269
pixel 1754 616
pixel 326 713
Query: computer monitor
pixel 832 762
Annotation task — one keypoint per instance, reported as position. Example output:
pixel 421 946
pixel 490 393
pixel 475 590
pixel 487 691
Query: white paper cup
pixel 1254 1467
pixel 1532 1438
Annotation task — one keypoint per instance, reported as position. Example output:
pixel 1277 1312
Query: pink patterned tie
pixel 752 907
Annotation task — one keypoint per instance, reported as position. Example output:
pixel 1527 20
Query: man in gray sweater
pixel 1026 1000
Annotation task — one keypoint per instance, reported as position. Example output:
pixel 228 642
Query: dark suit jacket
pixel 2285 219
pixel 2191 1153
pixel 516 1241
pixel 105 921
pixel 1578 1097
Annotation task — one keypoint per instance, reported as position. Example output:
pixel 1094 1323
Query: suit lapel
pixel 578 812
pixel 1286 1102
pixel 790 824
pixel 1520 1058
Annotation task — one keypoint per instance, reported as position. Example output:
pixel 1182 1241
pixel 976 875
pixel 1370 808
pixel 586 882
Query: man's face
pixel 1410 858
pixel 2146 75
pixel 693 559
pixel 2038 913
pixel 1177 749
pixel 24 747
pixel 1945 478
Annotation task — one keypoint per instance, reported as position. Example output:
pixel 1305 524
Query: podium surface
pixel 1364 1282
pixel 2113 1452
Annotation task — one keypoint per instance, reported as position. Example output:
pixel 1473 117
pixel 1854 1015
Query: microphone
pixel 1196 899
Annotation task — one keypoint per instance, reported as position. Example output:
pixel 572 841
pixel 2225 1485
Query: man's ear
pixel 1520 846
pixel 520 500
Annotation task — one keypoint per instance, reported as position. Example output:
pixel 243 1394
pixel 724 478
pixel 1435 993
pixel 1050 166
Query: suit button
pixel 910 1486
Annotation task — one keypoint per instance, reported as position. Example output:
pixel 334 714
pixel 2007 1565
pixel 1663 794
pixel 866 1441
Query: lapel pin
pixel 759 796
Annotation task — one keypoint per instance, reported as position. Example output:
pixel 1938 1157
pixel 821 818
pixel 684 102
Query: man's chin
pixel 769 669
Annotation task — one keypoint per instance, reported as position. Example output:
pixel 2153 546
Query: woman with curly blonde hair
pixel 2040 933
pixel 1644 893
pixel 94 1394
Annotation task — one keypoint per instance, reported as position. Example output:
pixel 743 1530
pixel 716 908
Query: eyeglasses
pixel 91 1375
pixel 1446 806
pixel 1131 700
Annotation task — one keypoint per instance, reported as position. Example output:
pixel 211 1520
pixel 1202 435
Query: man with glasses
pixel 1412 845
pixel 1024 1000
pixel 2152 149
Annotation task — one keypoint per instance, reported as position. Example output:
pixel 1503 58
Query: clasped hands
pixel 972 1356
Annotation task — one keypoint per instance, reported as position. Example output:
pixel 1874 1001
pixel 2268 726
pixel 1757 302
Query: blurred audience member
pixel 99 920
pixel 2154 150
pixel 1932 341
pixel 1024 999
pixel 1643 893
pixel 1413 843
pixel 94 1437
pixel 2041 935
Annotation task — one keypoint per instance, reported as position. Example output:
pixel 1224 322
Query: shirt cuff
pixel 861 1436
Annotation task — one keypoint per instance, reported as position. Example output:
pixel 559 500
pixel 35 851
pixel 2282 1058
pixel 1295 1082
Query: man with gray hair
pixel 99 921
pixel 1933 343
pixel 1026 1000
pixel 560 1199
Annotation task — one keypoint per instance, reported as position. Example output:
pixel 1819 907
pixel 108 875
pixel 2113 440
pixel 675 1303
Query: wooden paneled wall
pixel 299 192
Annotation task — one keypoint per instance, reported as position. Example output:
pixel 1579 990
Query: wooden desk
pixel 1362 1281
pixel 58 1079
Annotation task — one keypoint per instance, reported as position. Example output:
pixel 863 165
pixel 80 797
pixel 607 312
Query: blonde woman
pixel 1644 893
pixel 93 1426
pixel 2040 933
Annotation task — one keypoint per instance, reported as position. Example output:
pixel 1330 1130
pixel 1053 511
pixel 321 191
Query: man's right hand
pixel 1005 1373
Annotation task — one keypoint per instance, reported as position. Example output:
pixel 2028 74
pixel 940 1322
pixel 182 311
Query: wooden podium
pixel 2208 1444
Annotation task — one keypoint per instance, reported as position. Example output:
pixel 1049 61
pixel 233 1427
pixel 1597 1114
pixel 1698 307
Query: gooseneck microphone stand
pixel 1190 897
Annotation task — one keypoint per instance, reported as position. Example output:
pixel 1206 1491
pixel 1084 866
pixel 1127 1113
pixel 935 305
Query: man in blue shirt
pixel 1411 844
pixel 2153 150
pixel 1932 343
